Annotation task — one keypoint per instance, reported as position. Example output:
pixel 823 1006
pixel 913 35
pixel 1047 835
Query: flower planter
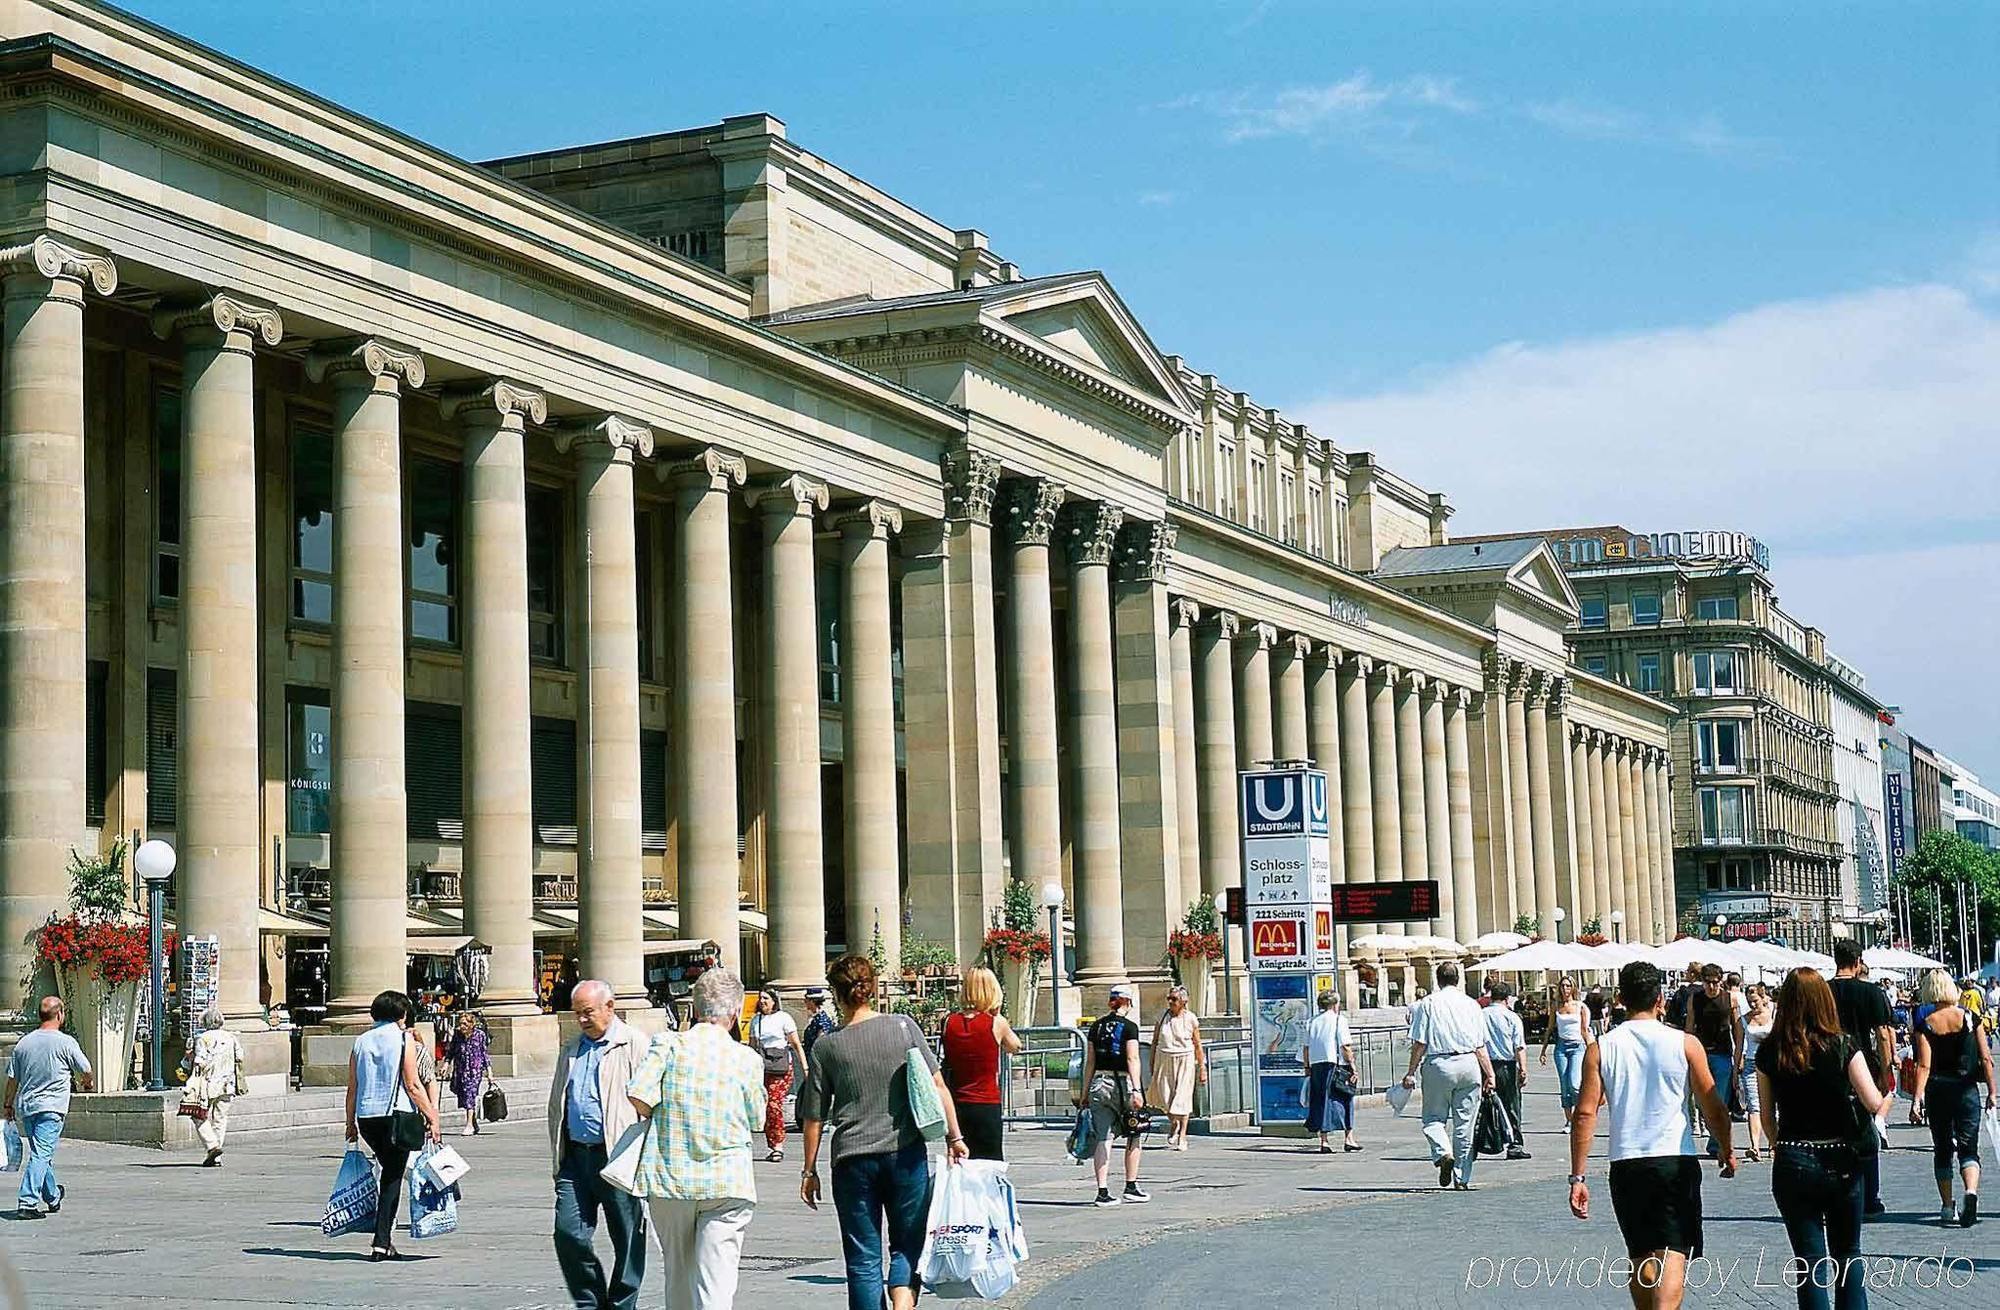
pixel 1017 989
pixel 104 1017
pixel 1198 976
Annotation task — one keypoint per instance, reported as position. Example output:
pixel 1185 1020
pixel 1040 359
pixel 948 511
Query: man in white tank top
pixel 1642 1072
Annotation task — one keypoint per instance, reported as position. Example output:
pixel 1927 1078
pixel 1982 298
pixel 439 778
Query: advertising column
pixel 1288 923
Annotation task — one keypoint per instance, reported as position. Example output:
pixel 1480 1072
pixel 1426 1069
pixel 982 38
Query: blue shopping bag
pixel 12 1133
pixel 351 1208
pixel 433 1209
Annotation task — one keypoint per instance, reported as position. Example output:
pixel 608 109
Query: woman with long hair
pixel 1953 1064
pixel 975 1037
pixel 1570 1029
pixel 775 1034
pixel 1808 1078
pixel 1757 1025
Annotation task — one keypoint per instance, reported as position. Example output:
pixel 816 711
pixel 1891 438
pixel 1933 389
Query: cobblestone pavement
pixel 143 1229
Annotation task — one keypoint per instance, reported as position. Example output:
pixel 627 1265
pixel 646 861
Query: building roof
pixel 849 305
pixel 1457 557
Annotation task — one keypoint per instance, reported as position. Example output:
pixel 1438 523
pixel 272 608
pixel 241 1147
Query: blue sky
pixel 1700 264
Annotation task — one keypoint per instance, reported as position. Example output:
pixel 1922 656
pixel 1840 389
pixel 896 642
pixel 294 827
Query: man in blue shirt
pixel 37 1098
pixel 588 1112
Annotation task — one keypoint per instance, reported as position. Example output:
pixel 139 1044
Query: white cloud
pixel 1858 435
pixel 1704 134
pixel 1159 199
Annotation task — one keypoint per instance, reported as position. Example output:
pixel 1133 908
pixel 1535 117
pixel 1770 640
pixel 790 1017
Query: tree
pixel 1931 877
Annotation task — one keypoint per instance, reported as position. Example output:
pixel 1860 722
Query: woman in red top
pixel 974 1037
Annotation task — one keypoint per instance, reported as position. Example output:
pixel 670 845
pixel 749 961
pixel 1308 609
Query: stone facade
pixel 756 562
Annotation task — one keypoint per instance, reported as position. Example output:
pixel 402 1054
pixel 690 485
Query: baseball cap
pixel 1124 992
pixel 816 993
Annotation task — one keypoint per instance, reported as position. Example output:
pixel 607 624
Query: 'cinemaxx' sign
pixel 1695 544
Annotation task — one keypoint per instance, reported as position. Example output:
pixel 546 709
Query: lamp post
pixel 1618 925
pixel 1721 922
pixel 1052 897
pixel 1560 915
pixel 155 862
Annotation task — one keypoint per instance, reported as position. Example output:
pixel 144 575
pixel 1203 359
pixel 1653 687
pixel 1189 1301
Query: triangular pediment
pixel 1542 577
pixel 1081 319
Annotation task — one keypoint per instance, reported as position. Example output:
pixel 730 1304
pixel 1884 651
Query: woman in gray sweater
pixel 858 1084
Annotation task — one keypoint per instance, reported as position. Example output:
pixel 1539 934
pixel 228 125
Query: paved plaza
pixel 1234 1214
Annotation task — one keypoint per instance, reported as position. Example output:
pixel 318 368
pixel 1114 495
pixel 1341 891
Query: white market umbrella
pixel 1537 956
pixel 1378 941
pixel 1437 945
pixel 1892 957
pixel 1679 955
pixel 1616 955
pixel 1501 940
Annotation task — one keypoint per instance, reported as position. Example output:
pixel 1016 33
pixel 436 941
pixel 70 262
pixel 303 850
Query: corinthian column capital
pixel 52 259
pixel 788 497
pixel 1029 508
pixel 1144 548
pixel 1093 527
pixel 365 361
pixel 970 477
pixel 1558 693
pixel 871 519
pixel 222 320
pixel 710 469
pixel 498 403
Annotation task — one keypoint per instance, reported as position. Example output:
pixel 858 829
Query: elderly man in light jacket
pixel 588 1112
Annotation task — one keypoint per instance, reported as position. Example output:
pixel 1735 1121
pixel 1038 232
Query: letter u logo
pixel 1262 796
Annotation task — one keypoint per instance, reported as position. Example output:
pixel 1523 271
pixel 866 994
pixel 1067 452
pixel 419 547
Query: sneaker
pixel 28 1212
pixel 1947 1216
pixel 1874 1209
pixel 55 1206
pixel 1516 1153
pixel 1104 1198
pixel 1134 1195
pixel 1970 1214
pixel 1444 1172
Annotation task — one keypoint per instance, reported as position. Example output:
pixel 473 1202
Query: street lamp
pixel 1561 914
pixel 154 862
pixel 1618 925
pixel 1721 922
pixel 1052 897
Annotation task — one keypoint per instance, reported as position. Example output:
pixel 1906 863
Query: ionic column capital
pixel 1386 674
pixel 708 470
pixel 1362 665
pixel 1226 625
pixel 871 520
pixel 794 496
pixel 221 321
pixel 1258 635
pixel 1437 689
pixel 499 403
pixel 1093 527
pixel 1145 548
pixel 1183 612
pixel 365 362
pixel 1462 697
pixel 608 436
pixel 970 479
pixel 1299 643
pixel 49 258
pixel 1029 507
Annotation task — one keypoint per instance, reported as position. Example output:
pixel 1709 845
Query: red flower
pixel 113 951
pixel 1186 944
pixel 1017 945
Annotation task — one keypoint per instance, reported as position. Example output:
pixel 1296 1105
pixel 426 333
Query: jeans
pixel 895 1185
pixel 1723 1070
pixel 39 1135
pixel 1951 1108
pixel 1569 1071
pixel 1818 1190
pixel 580 1195
pixel 394 1160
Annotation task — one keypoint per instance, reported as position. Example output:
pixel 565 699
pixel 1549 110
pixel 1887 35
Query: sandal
pixel 774 1157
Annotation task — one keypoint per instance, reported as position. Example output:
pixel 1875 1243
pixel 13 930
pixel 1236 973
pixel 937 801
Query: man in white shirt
pixel 1448 1042
pixel 1507 1049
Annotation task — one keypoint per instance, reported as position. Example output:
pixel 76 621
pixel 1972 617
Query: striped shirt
pixel 707 1094
pixel 857 1083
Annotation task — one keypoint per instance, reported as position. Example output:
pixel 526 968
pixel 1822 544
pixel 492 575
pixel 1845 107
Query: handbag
pixel 194 1099
pixel 1340 1080
pixel 493 1105
pixel 621 1166
pixel 926 1110
pixel 778 1063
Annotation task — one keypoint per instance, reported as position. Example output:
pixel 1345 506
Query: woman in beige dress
pixel 1178 1064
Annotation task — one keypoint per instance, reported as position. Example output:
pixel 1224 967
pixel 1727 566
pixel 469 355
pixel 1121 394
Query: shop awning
pixel 282 923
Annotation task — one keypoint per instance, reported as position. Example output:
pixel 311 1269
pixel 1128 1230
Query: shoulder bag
pixel 926 1109
pixel 493 1105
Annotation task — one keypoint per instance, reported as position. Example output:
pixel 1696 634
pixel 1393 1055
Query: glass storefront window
pixel 166 493
pixel 433 551
pixel 545 528
pixel 309 761
pixel 312 525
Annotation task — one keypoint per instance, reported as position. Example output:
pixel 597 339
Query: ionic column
pixel 1357 802
pixel 609 884
pixel 370 807
pixel 1664 849
pixel 868 730
pixel 1437 809
pixel 794 852
pixel 219 827
pixel 704 701
pixel 1410 783
pixel 1518 801
pixel 1614 838
pixel 1458 786
pixel 42 600
pixel 1540 804
pixel 1600 835
pixel 1215 726
pixel 1388 818
pixel 1095 846
pixel 1628 838
pixel 1254 743
pixel 1642 840
pixel 1033 759
pixel 1288 677
pixel 1182 617
pixel 1148 752
pixel 499 856
pixel 1586 860
pixel 1323 739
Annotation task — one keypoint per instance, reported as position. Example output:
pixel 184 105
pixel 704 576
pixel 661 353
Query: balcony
pixel 1788 775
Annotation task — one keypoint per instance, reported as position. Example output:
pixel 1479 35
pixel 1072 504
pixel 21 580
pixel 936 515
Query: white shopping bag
pixel 1398 1097
pixel 446 1166
pixel 12 1133
pixel 1993 1132
pixel 975 1238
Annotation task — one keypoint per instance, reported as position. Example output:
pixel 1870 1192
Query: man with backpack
pixel 1112 1091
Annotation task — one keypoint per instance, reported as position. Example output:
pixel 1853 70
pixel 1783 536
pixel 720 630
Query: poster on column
pixel 1281 1009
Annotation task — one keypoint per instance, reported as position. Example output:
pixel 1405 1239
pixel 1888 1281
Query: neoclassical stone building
pixel 682 540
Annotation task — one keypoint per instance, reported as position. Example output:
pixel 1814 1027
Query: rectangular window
pixel 545 575
pixel 1645 609
pixel 1225 480
pixel 1257 506
pixel 1315 522
pixel 552 768
pixel 1711 875
pixel 1718 745
pixel 309 761
pixel 1715 673
pixel 1715 607
pixel 652 791
pixel 1648 677
pixel 1598 664
pixel 1591 611
pixel 312 525
pixel 96 676
pixel 829 632
pixel 166 492
pixel 163 748
pixel 433 551
pixel 642 574
pixel 1721 814
pixel 1288 517
pixel 433 767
